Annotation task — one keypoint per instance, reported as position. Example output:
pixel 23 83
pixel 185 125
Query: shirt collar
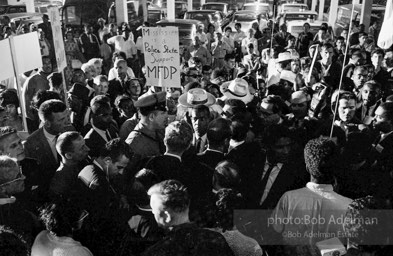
pixel 214 150
pixel 98 165
pixel 7 200
pixel 49 136
pixel 169 154
pixel 234 144
pixel 204 137
pixel 321 187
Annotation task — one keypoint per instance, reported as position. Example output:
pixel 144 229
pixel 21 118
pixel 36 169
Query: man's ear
pixel 151 116
pixel 167 217
pixel 68 155
pixel 107 160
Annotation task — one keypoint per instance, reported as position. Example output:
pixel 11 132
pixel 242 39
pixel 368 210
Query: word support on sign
pixel 162 59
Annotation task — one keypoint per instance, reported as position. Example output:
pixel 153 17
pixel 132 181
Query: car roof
pixel 259 4
pixel 301 12
pixel 244 12
pixel 296 4
pixel 316 23
pixel 180 21
pixel 202 11
pixel 21 15
pixel 215 3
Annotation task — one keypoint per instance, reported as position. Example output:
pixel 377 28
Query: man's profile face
pixel 381 122
pixel 12 146
pixel 80 150
pixel 160 119
pixel 346 109
pixel 46 65
pixel 158 210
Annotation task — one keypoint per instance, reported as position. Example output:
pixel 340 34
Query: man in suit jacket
pixel 103 200
pixel 382 152
pixel 283 169
pixel 249 157
pixel 218 136
pixel 41 145
pixel 100 132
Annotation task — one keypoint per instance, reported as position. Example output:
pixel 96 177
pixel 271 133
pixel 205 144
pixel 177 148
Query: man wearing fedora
pixel 146 139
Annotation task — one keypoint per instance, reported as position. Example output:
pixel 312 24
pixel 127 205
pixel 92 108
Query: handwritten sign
pixel 161 47
pixel 58 42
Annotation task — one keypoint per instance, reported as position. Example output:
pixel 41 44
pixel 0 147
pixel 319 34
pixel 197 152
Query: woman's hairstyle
pixel 228 200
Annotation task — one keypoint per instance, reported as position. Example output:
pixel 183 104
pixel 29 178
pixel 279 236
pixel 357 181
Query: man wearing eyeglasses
pixel 13 213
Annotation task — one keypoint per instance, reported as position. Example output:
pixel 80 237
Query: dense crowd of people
pixel 265 128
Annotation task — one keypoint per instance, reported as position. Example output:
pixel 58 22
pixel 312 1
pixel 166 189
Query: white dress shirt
pixel 52 142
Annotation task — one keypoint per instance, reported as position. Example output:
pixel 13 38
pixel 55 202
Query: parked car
pixel 295 27
pixel 258 8
pixel 4 9
pixel 245 18
pixel 292 7
pixel 205 16
pixel 187 28
pixel 299 16
pixel 22 18
pixel 218 6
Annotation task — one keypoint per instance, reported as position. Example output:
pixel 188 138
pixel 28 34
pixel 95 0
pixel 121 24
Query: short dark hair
pixel 275 132
pixel 388 107
pixel 64 143
pixel 118 54
pixel 42 96
pixel 229 56
pixel 178 136
pixel 174 195
pixel 9 96
pixel 239 128
pixel 346 96
pixel 49 107
pixel 327 46
pixel 227 175
pixel 373 83
pixel 115 149
pixel 120 100
pixel 340 38
pixel 218 131
pixel 357 54
pixel 378 51
pixel 320 156
pixel 99 103
pixel 202 108
pixel 60 217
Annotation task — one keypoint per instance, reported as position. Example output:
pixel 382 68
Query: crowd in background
pixel 291 126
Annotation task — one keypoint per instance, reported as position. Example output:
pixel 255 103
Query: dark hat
pixel 9 96
pixel 155 101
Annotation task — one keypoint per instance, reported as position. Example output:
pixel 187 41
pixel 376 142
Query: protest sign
pixel 6 64
pixel 161 48
pixel 58 42
pixel 26 52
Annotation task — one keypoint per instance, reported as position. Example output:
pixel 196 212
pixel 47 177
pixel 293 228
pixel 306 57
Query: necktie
pixel 266 177
pixel 108 136
pixel 198 145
